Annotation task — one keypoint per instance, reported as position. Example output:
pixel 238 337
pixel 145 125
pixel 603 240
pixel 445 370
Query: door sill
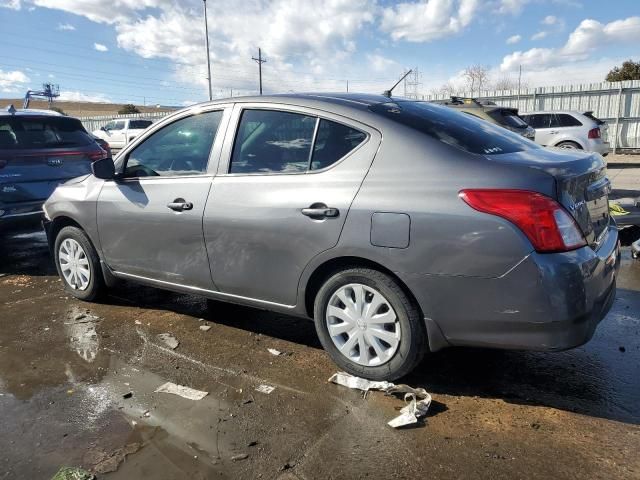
pixel 203 291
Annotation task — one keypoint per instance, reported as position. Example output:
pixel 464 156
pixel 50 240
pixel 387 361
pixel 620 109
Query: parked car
pixel 121 131
pixel 505 117
pixel 568 129
pixel 398 226
pixel 39 149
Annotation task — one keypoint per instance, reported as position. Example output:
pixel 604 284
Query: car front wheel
pixel 78 264
pixel 368 324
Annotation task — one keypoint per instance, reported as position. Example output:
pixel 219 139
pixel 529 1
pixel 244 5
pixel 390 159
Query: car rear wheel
pixel 78 264
pixel 569 146
pixel 368 325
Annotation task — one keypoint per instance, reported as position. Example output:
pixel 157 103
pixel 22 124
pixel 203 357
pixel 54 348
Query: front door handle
pixel 318 211
pixel 180 205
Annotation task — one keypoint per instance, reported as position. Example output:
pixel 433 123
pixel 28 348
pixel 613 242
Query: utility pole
pixel 260 61
pixel 519 83
pixel 206 35
pixel 347 86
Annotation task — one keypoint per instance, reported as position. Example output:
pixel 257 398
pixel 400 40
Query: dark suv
pixel 39 149
pixel 504 116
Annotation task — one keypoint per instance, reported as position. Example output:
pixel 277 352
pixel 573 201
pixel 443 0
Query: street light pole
pixel 206 35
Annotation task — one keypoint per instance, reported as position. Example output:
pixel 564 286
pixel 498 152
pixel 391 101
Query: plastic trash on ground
pixel 182 391
pixel 73 473
pixel 169 340
pixel 418 399
pixel 265 389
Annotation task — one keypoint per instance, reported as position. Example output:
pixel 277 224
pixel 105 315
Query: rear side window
pixel 333 142
pixel 453 128
pixel 272 141
pixel 17 132
pixel 566 120
pixel 140 124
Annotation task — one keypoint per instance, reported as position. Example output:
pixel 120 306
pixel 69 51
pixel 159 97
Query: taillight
pixel 544 221
pixel 594 133
pixel 97 155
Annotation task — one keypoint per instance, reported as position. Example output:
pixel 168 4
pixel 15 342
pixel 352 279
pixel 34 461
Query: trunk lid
pixel 582 186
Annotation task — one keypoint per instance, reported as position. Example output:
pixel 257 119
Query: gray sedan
pixel 399 227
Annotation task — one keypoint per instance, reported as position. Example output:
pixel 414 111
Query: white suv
pixel 568 129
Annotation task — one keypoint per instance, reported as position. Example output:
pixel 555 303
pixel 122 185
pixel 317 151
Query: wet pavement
pixel 77 385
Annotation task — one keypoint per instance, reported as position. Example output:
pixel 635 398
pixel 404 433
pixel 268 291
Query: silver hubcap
pixel 74 264
pixel 568 146
pixel 363 325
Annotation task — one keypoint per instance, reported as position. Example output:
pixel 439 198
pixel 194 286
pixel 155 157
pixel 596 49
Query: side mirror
pixel 104 169
pixel 103 128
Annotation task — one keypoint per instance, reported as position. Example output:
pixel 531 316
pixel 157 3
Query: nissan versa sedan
pixel 399 227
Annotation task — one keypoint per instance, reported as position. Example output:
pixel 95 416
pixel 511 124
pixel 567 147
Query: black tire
pixel 96 285
pixel 413 339
pixel 569 145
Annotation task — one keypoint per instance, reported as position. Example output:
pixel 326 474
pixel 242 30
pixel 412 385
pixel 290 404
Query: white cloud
pixel 110 12
pixel 12 4
pixel 539 35
pixel 514 39
pixel 428 20
pixel 100 47
pixel 380 63
pixel 510 7
pixel 66 26
pixel 549 20
pixel 583 41
pixel 75 96
pixel 12 81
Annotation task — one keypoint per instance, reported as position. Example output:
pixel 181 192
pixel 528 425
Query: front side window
pixel 453 128
pixel 540 120
pixel 118 125
pixel 272 141
pixel 180 148
pixel 507 118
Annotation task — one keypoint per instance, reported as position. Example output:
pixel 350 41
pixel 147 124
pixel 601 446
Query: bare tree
pixel 476 77
pixel 447 88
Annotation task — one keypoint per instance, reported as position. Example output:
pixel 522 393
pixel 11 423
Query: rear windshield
pixel 594 118
pixel 508 118
pixel 18 132
pixel 140 124
pixel 454 128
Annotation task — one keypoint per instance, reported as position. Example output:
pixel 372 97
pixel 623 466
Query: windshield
pixel 454 128
pixel 21 133
pixel 508 118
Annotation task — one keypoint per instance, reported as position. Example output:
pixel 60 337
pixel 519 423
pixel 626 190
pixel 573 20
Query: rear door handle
pixel 316 211
pixel 179 205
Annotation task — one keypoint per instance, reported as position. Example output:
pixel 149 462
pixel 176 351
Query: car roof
pixel 11 110
pixel 354 100
pixel 571 112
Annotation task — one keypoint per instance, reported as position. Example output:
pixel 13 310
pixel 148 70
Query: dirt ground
pixel 77 385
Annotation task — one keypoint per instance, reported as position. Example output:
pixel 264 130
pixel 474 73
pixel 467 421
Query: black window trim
pixel 160 125
pixel 285 109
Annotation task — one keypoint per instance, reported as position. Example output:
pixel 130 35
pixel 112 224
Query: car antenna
pixel 387 93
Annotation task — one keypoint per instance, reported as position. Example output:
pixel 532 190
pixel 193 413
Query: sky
pixel 153 51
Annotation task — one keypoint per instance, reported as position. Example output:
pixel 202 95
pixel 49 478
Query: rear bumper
pixel 598 146
pixel 546 302
pixel 20 214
